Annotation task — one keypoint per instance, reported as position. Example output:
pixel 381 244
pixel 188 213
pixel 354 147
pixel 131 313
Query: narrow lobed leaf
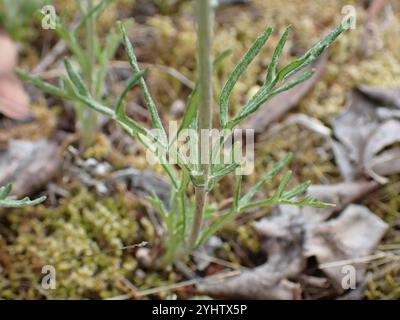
pixel 156 121
pixel 238 182
pixel 224 171
pixel 42 85
pixel 271 174
pixel 283 184
pixel 76 79
pixel 5 191
pixel 296 190
pixel 277 54
pixel 312 54
pixel 25 202
pixel 133 81
pixel 290 84
pixel 237 72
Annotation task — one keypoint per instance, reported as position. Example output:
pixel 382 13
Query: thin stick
pixel 217 277
pixel 204 32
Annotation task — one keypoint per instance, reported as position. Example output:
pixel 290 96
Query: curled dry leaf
pixel 353 235
pixel 366 134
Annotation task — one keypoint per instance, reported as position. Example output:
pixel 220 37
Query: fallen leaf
pixel 283 236
pixel 364 131
pixel 389 97
pixel 354 234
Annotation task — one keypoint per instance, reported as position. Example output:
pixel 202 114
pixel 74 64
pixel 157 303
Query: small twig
pixel 219 261
pixel 365 259
pixel 178 285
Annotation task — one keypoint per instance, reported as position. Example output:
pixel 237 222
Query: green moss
pixel 81 238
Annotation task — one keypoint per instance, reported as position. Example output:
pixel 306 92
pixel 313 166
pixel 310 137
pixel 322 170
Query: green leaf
pixel 159 206
pixel 76 79
pixel 308 201
pixel 224 171
pixel 221 57
pixel 190 113
pixel 215 226
pixel 119 109
pixel 271 174
pixel 312 54
pixel 87 100
pixel 264 94
pixel 237 72
pixel 73 43
pixel 156 121
pixel 238 181
pixel 11 202
pixel 25 202
pixel 97 9
pixel 296 190
pixel 131 126
pixel 303 77
pixel 108 52
pixel 254 103
pixel 283 184
pixel 5 191
pixel 277 53
pixel 42 85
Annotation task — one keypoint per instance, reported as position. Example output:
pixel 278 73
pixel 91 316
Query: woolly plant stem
pixel 204 33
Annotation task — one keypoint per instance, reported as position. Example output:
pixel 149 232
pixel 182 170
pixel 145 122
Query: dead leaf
pixel 283 241
pixel 366 129
pixel 385 135
pixel 282 103
pixel 354 234
pixel 389 97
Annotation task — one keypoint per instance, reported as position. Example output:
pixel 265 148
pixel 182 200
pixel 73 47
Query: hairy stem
pixel 204 33
pixel 89 116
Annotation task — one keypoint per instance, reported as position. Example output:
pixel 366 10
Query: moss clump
pixel 81 238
